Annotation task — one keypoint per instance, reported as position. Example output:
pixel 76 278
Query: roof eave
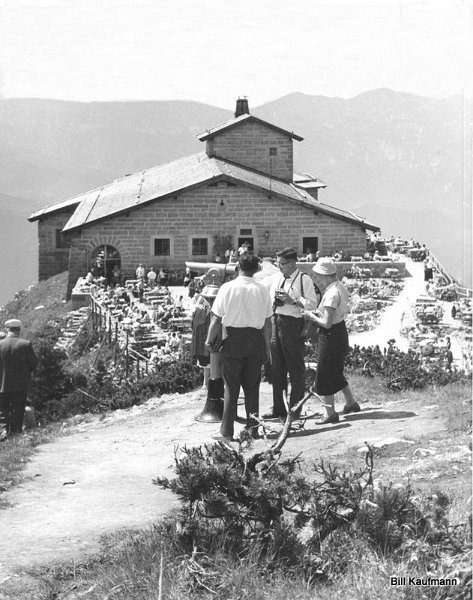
pixel 210 134
pixel 38 214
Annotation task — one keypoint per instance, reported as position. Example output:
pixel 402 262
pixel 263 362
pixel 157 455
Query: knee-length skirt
pixel 332 351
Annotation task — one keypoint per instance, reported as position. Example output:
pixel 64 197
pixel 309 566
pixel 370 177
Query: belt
pixel 236 329
pixel 279 316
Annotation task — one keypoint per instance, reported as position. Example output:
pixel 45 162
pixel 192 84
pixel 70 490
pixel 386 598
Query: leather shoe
pixel 273 415
pixel 218 437
pixel 353 408
pixel 329 420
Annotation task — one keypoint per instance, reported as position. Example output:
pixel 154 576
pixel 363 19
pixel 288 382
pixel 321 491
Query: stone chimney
pixel 242 107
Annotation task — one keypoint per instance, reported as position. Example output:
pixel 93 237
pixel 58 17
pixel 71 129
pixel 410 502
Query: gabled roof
pixel 157 183
pixel 242 119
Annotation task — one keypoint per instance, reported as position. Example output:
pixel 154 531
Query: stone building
pixel 241 188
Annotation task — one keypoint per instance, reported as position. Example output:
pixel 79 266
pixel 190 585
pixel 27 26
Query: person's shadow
pixel 379 413
pixel 375 413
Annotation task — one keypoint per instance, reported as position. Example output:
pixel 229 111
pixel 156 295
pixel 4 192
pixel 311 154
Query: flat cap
pixel 13 323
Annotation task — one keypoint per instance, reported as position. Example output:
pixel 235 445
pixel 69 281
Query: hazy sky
pixel 215 50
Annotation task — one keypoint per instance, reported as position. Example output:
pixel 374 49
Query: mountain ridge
pixel 396 159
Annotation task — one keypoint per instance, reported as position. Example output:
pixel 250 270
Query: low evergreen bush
pixel 401 370
pixel 240 507
pixel 96 391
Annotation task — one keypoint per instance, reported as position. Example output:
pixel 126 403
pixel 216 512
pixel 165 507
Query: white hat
pixel 325 266
pixel 13 323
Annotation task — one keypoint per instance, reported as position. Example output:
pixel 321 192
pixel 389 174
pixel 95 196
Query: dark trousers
pixel 12 410
pixel 242 357
pixel 287 358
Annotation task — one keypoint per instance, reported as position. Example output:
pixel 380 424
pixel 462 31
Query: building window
pixel 162 247
pixel 200 246
pixel 273 151
pixel 247 231
pixel 62 241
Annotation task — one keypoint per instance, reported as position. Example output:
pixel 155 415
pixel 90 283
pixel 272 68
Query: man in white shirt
pixel 292 292
pixel 140 272
pixel 243 308
pixel 152 277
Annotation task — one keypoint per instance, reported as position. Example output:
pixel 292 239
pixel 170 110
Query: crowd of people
pixel 296 300
pixel 262 319
pixel 156 322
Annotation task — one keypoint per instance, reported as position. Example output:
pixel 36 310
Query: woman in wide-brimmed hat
pixel 333 340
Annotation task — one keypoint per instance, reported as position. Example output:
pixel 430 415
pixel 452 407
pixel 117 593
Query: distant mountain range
pixel 397 159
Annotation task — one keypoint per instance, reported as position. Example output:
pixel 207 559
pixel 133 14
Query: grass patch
pixel 15 453
pixel 452 401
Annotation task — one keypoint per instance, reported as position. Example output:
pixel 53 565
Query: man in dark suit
pixel 17 362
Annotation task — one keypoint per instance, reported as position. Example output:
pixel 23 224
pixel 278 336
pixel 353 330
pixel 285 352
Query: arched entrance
pixel 105 259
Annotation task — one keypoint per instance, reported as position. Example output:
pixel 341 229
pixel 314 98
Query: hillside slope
pixel 42 303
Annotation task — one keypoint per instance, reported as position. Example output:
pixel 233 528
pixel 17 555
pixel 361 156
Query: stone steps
pixel 74 323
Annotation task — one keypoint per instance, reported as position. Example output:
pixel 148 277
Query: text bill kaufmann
pixel 432 581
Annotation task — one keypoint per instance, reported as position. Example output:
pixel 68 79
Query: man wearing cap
pixel 243 308
pixel 17 362
pixel 291 292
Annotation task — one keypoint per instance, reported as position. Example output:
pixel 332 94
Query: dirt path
pixel 99 477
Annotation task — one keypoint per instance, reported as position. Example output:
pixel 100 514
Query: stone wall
pixel 217 214
pixel 249 144
pixel 377 268
pixel 52 260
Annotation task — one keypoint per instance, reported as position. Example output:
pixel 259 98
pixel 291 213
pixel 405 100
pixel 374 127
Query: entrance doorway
pixel 248 240
pixel 310 244
pixel 105 259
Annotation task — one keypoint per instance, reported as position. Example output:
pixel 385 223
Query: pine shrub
pixel 261 508
pixel 50 381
